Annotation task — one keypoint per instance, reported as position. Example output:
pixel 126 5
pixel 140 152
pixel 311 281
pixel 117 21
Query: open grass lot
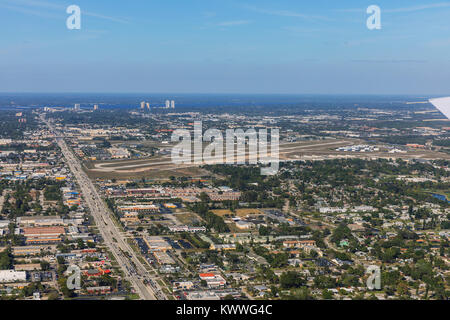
pixel 187 218
pixel 114 164
pixel 147 143
pixel 239 212
pixel 161 175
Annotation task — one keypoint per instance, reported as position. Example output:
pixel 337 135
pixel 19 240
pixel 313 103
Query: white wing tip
pixel 442 104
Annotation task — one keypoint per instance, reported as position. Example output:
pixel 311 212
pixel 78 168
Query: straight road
pixel 134 270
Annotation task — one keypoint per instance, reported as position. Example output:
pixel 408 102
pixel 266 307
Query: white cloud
pixel 31 7
pixel 29 11
pixel 209 14
pixel 404 9
pixel 233 23
pixel 419 7
pixel 287 13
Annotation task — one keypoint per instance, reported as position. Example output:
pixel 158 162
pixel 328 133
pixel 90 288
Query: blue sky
pixel 227 46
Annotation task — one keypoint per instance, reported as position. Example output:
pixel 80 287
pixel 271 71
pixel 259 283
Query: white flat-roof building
pixel 12 276
pixel 4 223
pixel 40 220
pixel 201 295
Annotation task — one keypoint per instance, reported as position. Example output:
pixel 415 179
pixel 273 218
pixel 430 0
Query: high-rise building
pixel 76 107
pixel 148 105
pixel 172 104
pixel 143 105
pixel 95 106
pixel 167 104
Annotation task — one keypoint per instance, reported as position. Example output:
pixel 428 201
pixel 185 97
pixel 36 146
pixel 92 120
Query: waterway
pixel 440 197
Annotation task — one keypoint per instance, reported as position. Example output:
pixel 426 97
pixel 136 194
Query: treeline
pixel 53 192
pixel 442 143
pixel 110 117
pixel 212 221
pixel 10 126
pixel 243 177
pixel 354 172
pixel 276 260
pixel 404 140
pixel 6 259
pixel 195 240
pixel 20 201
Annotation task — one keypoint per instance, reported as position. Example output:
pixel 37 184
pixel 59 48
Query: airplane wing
pixel 443 104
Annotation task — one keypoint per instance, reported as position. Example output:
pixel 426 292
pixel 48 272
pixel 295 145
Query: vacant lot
pixel 239 212
pixel 187 218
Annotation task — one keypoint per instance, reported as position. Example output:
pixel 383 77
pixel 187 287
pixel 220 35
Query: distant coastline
pixel 200 100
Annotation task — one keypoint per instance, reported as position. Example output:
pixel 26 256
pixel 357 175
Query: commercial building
pixel 299 243
pixel 43 234
pixel 12 276
pixel 40 221
pixel 242 224
pixel 31 250
pixel 140 208
pixel 187 229
pixel 225 246
pixel 156 243
pixel 201 295
pixel 163 258
pixel 119 153
pixel 183 285
pixel 4 223
pixel 213 280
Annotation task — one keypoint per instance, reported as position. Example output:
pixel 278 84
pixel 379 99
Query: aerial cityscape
pixel 94 187
pixel 336 188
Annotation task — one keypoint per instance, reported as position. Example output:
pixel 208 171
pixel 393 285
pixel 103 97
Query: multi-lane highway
pixel 134 270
